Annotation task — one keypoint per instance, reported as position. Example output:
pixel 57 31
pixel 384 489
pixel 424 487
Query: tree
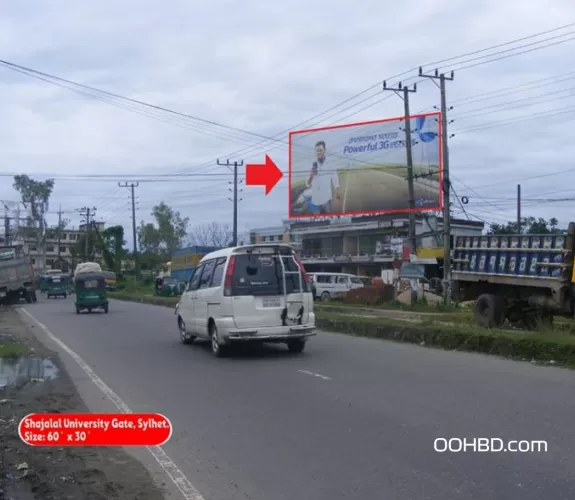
pixel 35 196
pixel 111 243
pixel 166 234
pixel 211 235
pixel 529 225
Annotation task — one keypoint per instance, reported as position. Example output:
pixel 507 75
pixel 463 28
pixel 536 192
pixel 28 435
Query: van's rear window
pixel 258 274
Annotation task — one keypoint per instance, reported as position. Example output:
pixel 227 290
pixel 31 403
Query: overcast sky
pixel 267 67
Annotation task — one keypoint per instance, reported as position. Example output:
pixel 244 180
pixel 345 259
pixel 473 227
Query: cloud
pixel 266 67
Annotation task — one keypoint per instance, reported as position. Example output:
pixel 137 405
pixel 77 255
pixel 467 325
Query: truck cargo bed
pixel 513 258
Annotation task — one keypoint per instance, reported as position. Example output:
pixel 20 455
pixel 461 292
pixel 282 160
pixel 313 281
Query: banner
pixel 362 168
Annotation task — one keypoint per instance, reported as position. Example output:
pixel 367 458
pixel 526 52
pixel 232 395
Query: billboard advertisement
pixel 361 168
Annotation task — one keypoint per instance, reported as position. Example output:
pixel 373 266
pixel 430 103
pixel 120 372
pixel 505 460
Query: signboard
pixel 361 168
pixel 411 271
pixel 7 253
pixel 430 252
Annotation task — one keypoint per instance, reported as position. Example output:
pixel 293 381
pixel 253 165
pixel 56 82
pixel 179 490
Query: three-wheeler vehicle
pixel 57 285
pixel 166 286
pixel 91 293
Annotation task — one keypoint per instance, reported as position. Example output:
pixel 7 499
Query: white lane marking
pixel 323 377
pixel 176 475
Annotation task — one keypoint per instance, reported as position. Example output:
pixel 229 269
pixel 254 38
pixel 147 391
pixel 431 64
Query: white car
pixel 334 285
pixel 252 293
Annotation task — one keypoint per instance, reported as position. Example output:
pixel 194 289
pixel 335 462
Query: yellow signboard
pixel 187 260
pixel 430 253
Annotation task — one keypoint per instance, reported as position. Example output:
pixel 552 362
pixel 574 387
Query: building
pixel 366 245
pixel 60 248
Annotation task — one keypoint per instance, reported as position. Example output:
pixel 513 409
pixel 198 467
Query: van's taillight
pixel 305 277
pixel 229 276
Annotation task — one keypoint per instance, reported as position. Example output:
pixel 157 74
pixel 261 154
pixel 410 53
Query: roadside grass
pixel 13 350
pixel 556 347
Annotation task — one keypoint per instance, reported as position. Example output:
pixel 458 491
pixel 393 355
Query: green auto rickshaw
pixel 43 282
pixel 90 290
pixel 166 286
pixel 58 285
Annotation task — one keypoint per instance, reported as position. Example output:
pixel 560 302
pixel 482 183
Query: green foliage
pixel 529 225
pixel 165 234
pixel 35 196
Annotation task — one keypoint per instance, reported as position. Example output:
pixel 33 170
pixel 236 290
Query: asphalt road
pixel 351 418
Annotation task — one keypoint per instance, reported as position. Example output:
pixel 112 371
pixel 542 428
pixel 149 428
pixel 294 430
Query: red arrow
pixel 263 174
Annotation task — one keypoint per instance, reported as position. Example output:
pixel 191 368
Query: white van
pixel 332 285
pixel 250 293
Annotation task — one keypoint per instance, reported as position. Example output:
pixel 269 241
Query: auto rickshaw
pixel 58 285
pixel 110 279
pixel 90 289
pixel 43 282
pixel 166 286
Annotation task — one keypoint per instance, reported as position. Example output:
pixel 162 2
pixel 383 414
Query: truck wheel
pixel 325 297
pixel 29 298
pixel 489 311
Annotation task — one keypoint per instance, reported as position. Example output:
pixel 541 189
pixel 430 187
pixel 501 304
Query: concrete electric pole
pixel 446 188
pixel 88 214
pixel 235 200
pixel 133 186
pixel 403 92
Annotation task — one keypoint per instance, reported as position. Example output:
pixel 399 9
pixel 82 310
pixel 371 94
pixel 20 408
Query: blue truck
pixel 525 279
pixel 185 260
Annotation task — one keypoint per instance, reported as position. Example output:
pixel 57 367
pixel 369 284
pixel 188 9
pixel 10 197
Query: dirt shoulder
pixel 40 384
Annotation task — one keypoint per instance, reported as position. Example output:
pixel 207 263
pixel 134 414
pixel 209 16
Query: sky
pixel 262 69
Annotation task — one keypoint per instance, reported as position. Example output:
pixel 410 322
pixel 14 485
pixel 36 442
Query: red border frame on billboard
pixel 436 114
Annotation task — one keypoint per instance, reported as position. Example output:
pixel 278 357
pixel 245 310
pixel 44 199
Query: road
pixel 351 418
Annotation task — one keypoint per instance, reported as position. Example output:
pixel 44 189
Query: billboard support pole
pixel 405 90
pixel 446 183
pixel 235 200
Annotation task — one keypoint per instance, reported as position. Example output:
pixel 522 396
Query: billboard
pixel 361 168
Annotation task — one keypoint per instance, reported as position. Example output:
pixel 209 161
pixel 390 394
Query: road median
pixel 144 299
pixel 552 348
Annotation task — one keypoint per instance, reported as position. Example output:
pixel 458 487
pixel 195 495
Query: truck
pixel 185 260
pixel 526 279
pixel 17 280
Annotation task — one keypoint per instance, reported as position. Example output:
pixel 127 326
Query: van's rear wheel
pixel 218 349
pixel 296 346
pixel 185 338
pixel 325 296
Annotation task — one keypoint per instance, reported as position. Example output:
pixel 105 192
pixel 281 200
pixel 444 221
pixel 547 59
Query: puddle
pixel 18 372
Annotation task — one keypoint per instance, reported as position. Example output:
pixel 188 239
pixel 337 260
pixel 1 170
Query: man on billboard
pixel 325 188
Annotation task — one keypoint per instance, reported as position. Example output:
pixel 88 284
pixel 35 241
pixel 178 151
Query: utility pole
pixel 405 90
pixel 133 186
pixel 59 232
pixel 236 164
pixel 88 214
pixel 446 188
pixel 518 208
